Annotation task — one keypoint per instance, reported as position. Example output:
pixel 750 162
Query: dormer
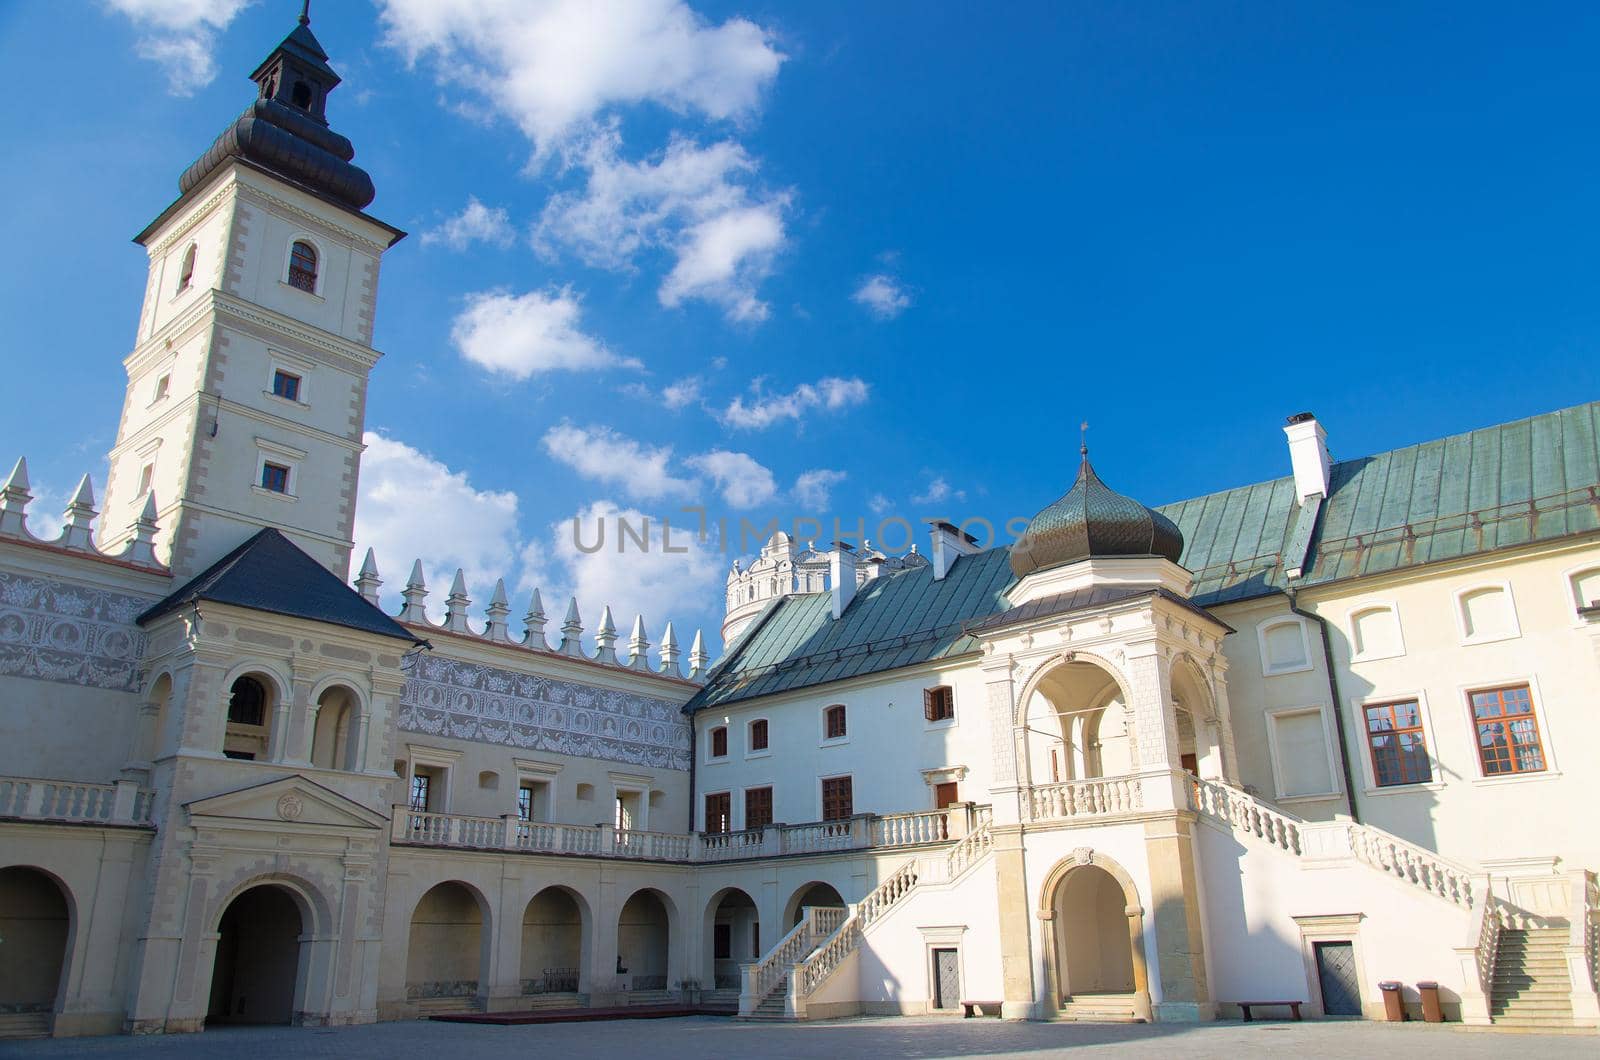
pixel 297 73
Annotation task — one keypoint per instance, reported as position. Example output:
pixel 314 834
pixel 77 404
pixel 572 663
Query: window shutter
pixel 929 710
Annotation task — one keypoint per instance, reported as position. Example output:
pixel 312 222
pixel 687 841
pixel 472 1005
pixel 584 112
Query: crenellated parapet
pixel 77 529
pixel 495 626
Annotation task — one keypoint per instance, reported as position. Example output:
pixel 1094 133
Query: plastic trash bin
pixel 1394 1008
pixel 1431 1012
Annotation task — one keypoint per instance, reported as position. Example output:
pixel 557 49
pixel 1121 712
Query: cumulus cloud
pixel 411 506
pixel 879 504
pixel 744 482
pixel 883 296
pixel 939 491
pixel 475 224
pixel 180 36
pixel 814 488
pixel 600 454
pixel 523 335
pixel 697 203
pixel 763 409
pixel 681 394
pixel 554 66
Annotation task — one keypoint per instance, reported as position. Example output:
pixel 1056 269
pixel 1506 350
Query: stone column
pixel 1005 776
pixel 502 987
pixel 1016 949
pixel 1175 910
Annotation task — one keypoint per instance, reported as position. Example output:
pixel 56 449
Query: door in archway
pixel 258 959
pixel 34 927
pixel 1093 941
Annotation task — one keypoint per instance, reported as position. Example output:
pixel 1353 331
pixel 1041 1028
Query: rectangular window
pixel 939 704
pixel 837 799
pixel 275 477
pixel 945 795
pixel 163 387
pixel 525 803
pixel 718 813
pixel 421 792
pixel 286 386
pixel 758 734
pixel 722 942
pixel 1508 732
pixel 1399 750
pixel 719 742
pixel 146 474
pixel 1300 746
pixel 833 725
pixel 757 807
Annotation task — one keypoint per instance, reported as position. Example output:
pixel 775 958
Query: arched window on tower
pixel 249 710
pixel 186 274
pixel 303 266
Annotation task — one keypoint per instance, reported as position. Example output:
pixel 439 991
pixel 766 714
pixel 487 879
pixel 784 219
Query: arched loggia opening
pixel 818 894
pixel 644 942
pixel 258 972
pixel 445 955
pixel 1199 731
pixel 252 700
pixel 333 740
pixel 554 929
pixel 733 936
pixel 1078 725
pixel 35 931
pixel 1095 926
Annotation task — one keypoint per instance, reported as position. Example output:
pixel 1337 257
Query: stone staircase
pixel 1100 1008
pixel 24 1025
pixel 772 1006
pixel 1531 986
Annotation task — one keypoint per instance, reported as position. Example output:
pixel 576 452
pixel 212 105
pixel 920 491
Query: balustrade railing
pixel 64 800
pixel 910 829
pixel 730 846
pixel 1097 797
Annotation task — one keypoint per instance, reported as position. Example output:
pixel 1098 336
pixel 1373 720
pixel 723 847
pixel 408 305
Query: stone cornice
pixel 335 350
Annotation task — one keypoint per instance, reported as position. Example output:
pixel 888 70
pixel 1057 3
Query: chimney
pixel 948 543
pixel 842 572
pixel 1308 455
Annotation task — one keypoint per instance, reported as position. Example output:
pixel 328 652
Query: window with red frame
pixel 833 726
pixel 1399 748
pixel 758 734
pixel 837 800
pixel 718 813
pixel 719 742
pixel 1508 732
pixel 757 807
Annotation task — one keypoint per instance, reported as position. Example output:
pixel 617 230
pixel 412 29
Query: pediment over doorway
pixel 286 802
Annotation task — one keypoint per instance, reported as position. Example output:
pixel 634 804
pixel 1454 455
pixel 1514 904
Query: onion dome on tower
pixel 285 131
pixel 1093 521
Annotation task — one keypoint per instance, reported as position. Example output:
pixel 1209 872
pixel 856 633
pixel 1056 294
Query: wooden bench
pixel 1246 1006
pixel 970 1009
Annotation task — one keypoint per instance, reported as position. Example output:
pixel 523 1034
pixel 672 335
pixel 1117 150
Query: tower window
pixel 247 705
pixel 186 275
pixel 274 477
pixel 163 387
pixel 147 474
pixel 286 385
pixel 303 266
pixel 300 95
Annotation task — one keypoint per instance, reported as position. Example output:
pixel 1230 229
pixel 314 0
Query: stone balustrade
pixel 32 799
pixel 1095 797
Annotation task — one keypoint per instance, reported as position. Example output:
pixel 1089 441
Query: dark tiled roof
pixel 269 573
pixel 1511 484
pixel 1080 600
pixel 895 620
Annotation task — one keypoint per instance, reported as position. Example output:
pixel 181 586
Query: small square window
pixel 834 723
pixel 719 742
pixel 275 477
pixel 163 387
pixel 286 385
pixel 939 704
pixel 758 734
pixel 146 474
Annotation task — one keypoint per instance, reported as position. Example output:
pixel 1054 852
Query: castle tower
pixel 248 377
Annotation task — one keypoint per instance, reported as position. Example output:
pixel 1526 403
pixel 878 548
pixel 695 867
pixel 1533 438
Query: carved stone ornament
pixel 1083 856
pixel 290 806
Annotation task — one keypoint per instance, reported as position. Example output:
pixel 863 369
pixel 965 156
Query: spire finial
pixel 1083 439
pixel 305 13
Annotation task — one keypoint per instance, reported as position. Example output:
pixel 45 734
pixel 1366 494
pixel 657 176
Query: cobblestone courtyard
pixel 706 1037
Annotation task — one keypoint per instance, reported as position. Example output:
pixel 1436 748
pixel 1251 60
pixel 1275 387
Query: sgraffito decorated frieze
pixel 466 701
pixel 75 634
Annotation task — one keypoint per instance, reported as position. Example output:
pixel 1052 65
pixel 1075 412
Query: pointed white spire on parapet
pixel 698 659
pixel 605 638
pixel 533 623
pixel 367 581
pixel 77 531
pixel 639 646
pixel 415 594
pixel 669 654
pixel 142 535
pixel 572 632
pixel 455 605
pixel 498 611
pixel 14 498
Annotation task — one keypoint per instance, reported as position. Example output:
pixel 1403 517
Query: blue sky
pixel 842 259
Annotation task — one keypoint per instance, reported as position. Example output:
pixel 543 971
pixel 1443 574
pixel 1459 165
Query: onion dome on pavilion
pixel 1093 521
pixel 285 131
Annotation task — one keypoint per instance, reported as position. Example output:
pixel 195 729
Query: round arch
pixel 262 957
pixel 279 684
pixel 38 920
pixel 557 930
pixel 1091 742
pixel 1054 888
pixel 815 892
pixel 1066 658
pixel 644 939
pixel 336 707
pixel 732 933
pixel 449 935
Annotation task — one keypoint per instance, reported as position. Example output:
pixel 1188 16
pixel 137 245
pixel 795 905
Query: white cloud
pixel 681 394
pixel 412 506
pixel 475 224
pixel 696 202
pixel 939 491
pixel 602 455
pixel 883 296
pixel 879 503
pixel 744 482
pixel 763 410
pixel 180 36
pixel 814 488
pixel 554 66
pixel 681 585
pixel 522 335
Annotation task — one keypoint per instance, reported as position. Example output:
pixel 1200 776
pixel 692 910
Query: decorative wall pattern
pixel 76 634
pixel 447 697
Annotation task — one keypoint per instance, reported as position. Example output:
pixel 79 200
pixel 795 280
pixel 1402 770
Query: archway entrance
pixel 35 927
pixel 644 939
pixel 733 935
pixel 820 894
pixel 552 943
pixel 257 971
pixel 446 948
pixel 1093 947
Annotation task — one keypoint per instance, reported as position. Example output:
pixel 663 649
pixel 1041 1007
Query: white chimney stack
pixel 842 572
pixel 948 543
pixel 1308 455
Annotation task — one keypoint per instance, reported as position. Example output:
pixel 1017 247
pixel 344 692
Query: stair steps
pixel 15 1025
pixel 1099 1008
pixel 1531 989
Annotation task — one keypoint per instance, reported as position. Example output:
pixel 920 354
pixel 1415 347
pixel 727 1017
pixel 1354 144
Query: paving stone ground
pixel 705 1037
